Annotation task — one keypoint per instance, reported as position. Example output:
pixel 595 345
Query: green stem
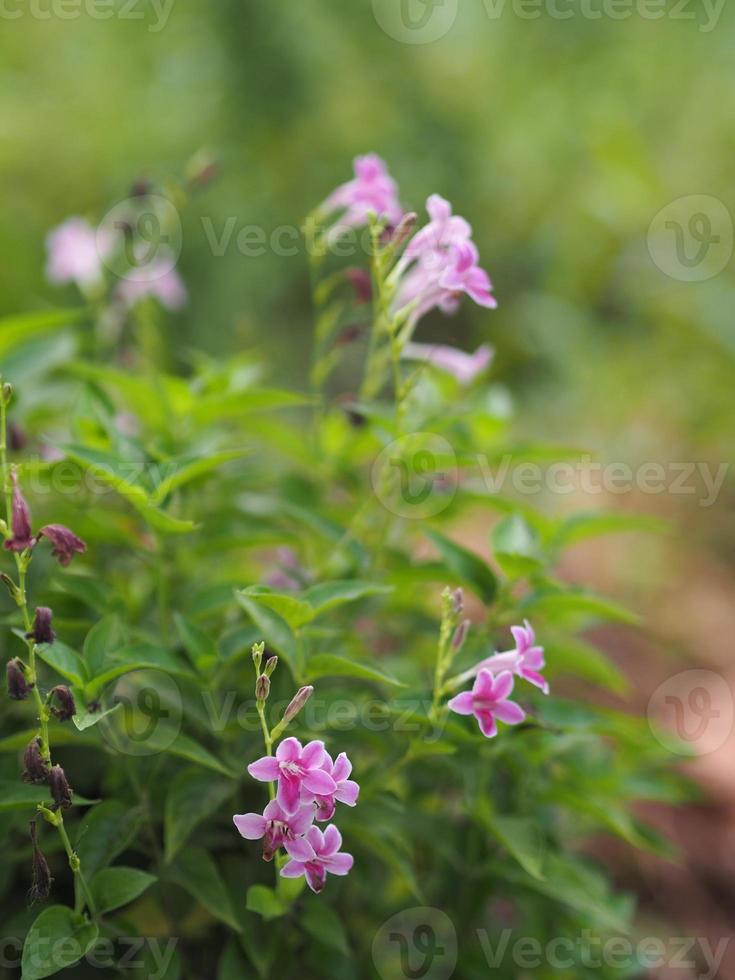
pixel 267 738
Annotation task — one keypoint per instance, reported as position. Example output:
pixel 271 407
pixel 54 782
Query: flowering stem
pixel 267 738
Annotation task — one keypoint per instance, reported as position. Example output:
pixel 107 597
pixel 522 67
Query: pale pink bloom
pixel 488 701
pixel 298 771
pixel 323 856
pixel 527 660
pixel 76 252
pixel 464 275
pixel 371 190
pixel 159 279
pixel 274 826
pixel 347 789
pixel 444 229
pixel 464 367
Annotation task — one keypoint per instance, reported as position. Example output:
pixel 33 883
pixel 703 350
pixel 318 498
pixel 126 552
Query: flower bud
pixel 262 688
pixel 36 768
pixel 41 879
pixel 460 634
pixel 458 601
pixel 7 393
pixel 258 649
pixel 60 790
pixel 20 521
pixel 64 543
pixel 18 686
pixel 297 703
pixel 16 437
pixel 67 708
pixel 270 665
pixel 42 632
pixel 404 229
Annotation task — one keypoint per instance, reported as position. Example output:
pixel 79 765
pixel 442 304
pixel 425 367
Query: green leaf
pixel 330 665
pixel 293 611
pixel 19 328
pixel 580 659
pixel 64 661
pixel 465 565
pixel 186 748
pixel 104 833
pixel 105 637
pixel 215 408
pixel 84 719
pixel 199 645
pixel 21 796
pixel 520 836
pixel 328 595
pixel 274 628
pixel 323 923
pixel 113 887
pixel 232 964
pixel 561 607
pixel 590 524
pixel 192 797
pixel 142 656
pixel 195 872
pixel 265 902
pixel 57 939
pixel 183 471
pixel 515 547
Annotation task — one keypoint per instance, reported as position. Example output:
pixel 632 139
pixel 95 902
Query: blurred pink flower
pixel 298 771
pixel 275 826
pixel 464 367
pixel 527 660
pixel 159 279
pixel 488 701
pixel 320 857
pixel 347 790
pixel 76 251
pixel 444 229
pixel 371 189
pixel 464 275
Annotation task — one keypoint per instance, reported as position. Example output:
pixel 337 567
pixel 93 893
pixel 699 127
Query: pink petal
pixel 342 768
pixel 484 686
pixel 463 703
pixel 289 792
pixel 509 712
pixel 289 750
pixel 250 825
pixel 313 755
pixel 438 208
pixel 316 877
pixel 325 807
pixel 332 841
pixel 503 686
pixel 315 838
pixel 302 819
pixel 319 782
pixel 487 724
pixel 536 679
pixel 299 849
pixel 347 792
pixel 274 812
pixel 339 864
pixel 265 769
pixel 293 869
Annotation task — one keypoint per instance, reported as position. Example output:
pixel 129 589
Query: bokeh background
pixel 562 139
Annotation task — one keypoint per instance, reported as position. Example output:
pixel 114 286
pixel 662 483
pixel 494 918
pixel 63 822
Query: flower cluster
pixel 439 264
pixel 489 700
pixel 308 785
pixel 19 537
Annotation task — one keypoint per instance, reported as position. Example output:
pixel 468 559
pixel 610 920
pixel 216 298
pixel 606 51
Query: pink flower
pixel 526 660
pixel 464 275
pixel 488 700
pixel 298 771
pixel 347 790
pixel 372 189
pixel 323 856
pixel 275 826
pixel 75 253
pixel 464 367
pixel 444 229
pixel 159 279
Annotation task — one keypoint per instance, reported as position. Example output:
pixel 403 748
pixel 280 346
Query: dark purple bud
pixel 36 767
pixel 458 601
pixel 20 521
pixel 404 229
pixel 361 284
pixel 262 688
pixel 297 703
pixel 141 187
pixel 67 708
pixel 350 334
pixel 41 875
pixel 18 686
pixel 460 634
pixel 42 632
pixel 60 790
pixel 16 437
pixel 270 665
pixel 64 543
